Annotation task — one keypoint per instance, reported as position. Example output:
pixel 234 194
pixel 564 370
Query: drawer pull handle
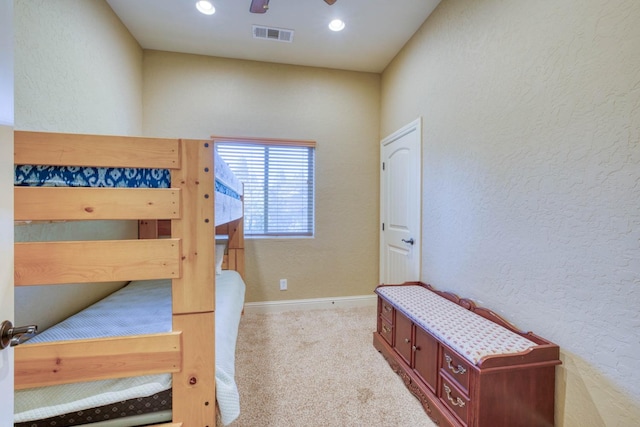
pixel 387 308
pixel 386 329
pixel 459 370
pixel 407 340
pixel 458 402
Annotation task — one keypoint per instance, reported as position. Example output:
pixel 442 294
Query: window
pixel 278 179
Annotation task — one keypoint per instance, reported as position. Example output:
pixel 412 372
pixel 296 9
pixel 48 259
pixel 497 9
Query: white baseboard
pixel 310 304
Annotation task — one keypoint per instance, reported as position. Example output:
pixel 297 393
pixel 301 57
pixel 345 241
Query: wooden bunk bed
pixel 177 232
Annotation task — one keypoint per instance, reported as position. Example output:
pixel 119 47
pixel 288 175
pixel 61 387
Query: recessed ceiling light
pixel 205 6
pixel 336 25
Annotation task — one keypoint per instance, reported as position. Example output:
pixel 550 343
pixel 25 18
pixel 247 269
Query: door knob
pixel 10 336
pixel 410 241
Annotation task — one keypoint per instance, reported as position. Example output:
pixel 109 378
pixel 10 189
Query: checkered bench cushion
pixel 469 334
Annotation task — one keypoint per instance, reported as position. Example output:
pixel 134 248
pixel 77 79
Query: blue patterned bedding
pixel 228 192
pixel 75 176
pixel 228 189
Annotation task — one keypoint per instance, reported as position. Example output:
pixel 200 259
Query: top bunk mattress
pixel 228 188
pixel 87 176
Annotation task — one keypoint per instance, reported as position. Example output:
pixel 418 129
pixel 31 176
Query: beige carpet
pixel 318 368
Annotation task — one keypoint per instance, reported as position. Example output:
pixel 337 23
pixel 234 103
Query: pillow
pixel 219 256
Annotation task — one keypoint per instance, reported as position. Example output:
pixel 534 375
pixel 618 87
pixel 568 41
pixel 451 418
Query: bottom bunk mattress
pixel 141 307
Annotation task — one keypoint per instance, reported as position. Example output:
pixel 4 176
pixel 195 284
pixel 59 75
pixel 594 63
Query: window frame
pixel 284 143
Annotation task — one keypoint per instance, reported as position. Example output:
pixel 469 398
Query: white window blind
pixel 278 186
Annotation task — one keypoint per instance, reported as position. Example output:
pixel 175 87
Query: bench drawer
pixel 456 401
pixel 386 330
pixel 386 310
pixel 456 367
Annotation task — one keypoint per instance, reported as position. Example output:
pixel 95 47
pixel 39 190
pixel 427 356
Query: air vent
pixel 270 33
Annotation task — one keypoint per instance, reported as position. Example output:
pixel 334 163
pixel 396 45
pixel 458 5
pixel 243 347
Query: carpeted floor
pixel 318 368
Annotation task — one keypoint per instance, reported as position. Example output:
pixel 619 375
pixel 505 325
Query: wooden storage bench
pixel 466 365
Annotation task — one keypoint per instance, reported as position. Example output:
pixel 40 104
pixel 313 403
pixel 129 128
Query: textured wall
pixel 77 70
pixel 531 178
pixel 197 96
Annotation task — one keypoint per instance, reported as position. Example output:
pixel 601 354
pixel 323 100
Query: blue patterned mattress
pixel 76 176
pixel 227 187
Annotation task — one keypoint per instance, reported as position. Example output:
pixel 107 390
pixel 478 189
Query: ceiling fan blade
pixel 259 6
pixel 330 2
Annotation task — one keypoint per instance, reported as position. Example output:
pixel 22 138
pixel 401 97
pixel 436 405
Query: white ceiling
pixel 375 29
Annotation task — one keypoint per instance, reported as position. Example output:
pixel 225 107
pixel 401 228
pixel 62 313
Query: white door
pixel 6 204
pixel 6 269
pixel 400 204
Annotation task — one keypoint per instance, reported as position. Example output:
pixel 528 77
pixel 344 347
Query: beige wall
pixel 531 178
pixel 196 96
pixel 81 71
pixel 78 70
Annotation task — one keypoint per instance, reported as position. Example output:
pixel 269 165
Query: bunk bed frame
pixel 184 213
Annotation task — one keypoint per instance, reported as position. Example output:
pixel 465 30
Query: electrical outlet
pixel 283 284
